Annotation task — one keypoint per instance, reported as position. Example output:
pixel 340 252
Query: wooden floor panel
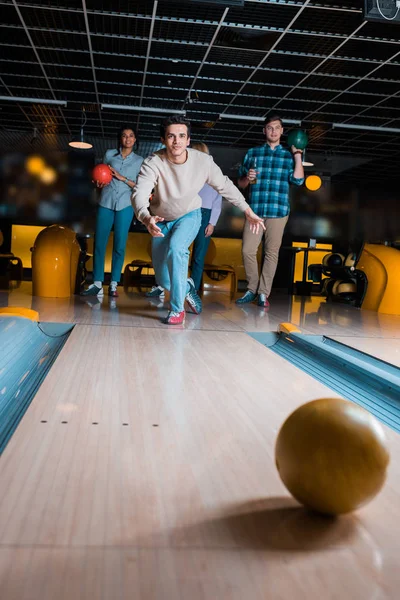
pixel 169 574
pixel 386 349
pixel 144 469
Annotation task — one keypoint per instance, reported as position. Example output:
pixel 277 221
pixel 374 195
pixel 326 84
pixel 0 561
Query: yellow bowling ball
pixel 332 456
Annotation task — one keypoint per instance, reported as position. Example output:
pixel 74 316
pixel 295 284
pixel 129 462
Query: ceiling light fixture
pixel 304 162
pixel 365 127
pixel 79 142
pixel 144 109
pixel 261 119
pixel 33 100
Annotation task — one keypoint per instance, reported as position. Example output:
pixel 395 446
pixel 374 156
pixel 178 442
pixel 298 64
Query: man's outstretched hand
pixel 151 224
pixel 254 221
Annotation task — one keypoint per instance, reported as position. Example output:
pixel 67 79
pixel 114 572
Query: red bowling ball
pixel 102 174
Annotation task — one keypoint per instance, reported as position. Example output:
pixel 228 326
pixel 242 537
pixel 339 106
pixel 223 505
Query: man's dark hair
pixel 272 117
pixel 174 120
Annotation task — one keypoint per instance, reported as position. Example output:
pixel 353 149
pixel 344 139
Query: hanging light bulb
pixel 304 162
pixel 79 142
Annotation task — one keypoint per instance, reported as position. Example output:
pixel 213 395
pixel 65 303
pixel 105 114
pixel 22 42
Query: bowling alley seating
pixel 339 279
pixel 216 274
pixel 84 257
pixel 133 272
pixel 11 267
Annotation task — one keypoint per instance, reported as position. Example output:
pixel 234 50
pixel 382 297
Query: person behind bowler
pixel 269 169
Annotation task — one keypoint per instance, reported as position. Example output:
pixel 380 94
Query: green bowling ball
pixel 297 138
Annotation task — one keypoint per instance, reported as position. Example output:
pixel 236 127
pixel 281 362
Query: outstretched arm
pixel 228 190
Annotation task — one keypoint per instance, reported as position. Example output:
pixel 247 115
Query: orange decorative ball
pixel 313 183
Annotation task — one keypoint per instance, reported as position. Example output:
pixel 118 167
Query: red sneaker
pixel 262 300
pixel 175 318
pixel 112 293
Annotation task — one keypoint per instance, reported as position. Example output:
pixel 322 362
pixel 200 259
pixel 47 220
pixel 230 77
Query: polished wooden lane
pixel 313 315
pixel 386 349
pixel 144 469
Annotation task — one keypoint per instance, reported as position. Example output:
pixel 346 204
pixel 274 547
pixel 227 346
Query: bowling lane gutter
pixel 357 376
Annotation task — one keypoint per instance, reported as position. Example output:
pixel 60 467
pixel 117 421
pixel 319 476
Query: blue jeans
pixel 106 218
pixel 200 248
pixel 171 255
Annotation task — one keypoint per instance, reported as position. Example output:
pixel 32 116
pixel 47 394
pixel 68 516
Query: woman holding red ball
pixel 115 209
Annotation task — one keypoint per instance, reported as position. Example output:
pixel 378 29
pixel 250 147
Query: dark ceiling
pixel 318 63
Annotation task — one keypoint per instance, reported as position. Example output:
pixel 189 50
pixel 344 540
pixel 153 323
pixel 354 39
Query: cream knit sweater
pixel 176 187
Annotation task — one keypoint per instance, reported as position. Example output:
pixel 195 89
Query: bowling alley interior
pixel 250 452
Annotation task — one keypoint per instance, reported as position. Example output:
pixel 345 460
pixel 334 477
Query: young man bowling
pixel 177 174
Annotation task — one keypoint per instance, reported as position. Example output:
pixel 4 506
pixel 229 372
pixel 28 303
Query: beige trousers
pixel 273 233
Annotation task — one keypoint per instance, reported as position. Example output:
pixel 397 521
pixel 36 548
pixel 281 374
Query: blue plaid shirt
pixel 269 197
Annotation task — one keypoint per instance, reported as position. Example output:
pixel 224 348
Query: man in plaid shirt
pixel 275 169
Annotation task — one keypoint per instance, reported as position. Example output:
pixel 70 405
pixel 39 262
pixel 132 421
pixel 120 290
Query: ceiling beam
pixel 155 4
pixel 207 91
pixel 287 53
pixel 28 35
pixel 214 37
pixel 88 34
pixel 305 32
pixel 280 3
pixel 206 78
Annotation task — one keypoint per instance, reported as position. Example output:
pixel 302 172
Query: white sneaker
pixel 156 292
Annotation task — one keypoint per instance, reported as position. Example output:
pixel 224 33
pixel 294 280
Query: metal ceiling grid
pixel 225 72
pixel 176 49
pixel 119 25
pixel 286 61
pixel 233 56
pixel 389 71
pixel 52 19
pixel 345 68
pixel 136 7
pixel 393 102
pixel 62 57
pixel 260 16
pixel 119 38
pixel 332 21
pixel 384 88
pixel 232 38
pixel 309 43
pixel 183 10
pixel 369 52
pixel 66 5
pixel 170 30
pixel 118 46
pixel 173 68
pixel 9 16
pixel 384 31
pixel 59 39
